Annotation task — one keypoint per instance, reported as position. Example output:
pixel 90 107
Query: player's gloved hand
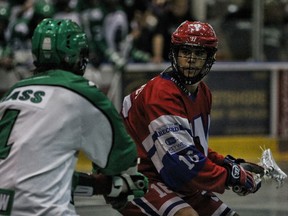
pixel 125 188
pixel 241 181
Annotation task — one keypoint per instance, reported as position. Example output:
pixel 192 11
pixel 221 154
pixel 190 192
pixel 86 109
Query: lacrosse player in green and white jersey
pixel 47 119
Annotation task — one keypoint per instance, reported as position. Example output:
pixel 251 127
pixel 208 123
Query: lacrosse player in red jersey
pixel 169 118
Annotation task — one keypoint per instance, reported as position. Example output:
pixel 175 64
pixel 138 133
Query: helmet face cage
pixel 193 36
pixel 60 44
pixel 210 59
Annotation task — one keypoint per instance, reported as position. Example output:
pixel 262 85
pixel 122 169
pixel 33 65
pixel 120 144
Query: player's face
pixel 191 60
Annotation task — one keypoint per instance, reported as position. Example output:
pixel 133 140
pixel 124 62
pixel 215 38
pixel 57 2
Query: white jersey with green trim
pixel 44 122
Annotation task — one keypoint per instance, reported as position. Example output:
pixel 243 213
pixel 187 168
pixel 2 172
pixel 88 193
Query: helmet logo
pixel 193 39
pixel 198 27
pixel 46 45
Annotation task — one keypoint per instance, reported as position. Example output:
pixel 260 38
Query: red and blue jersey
pixel 171 129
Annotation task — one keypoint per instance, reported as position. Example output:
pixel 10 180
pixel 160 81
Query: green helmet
pixel 60 44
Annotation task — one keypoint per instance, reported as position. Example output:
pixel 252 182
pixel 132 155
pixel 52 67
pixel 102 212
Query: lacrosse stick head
pixel 272 170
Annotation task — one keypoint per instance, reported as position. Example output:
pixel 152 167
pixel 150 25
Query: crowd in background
pixel 124 31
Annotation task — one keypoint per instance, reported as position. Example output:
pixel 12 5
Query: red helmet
pixel 194 34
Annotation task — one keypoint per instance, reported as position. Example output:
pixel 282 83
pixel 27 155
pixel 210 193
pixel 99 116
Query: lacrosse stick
pixel 267 168
pixel 271 169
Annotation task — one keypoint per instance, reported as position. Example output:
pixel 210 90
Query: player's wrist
pixel 87 184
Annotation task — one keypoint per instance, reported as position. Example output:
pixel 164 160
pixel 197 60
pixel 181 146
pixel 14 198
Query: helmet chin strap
pixel 83 64
pixel 192 80
pixel 80 66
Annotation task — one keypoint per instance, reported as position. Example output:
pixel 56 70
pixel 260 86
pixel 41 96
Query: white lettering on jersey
pixel 199 131
pixel 139 90
pixel 172 132
pixel 194 158
pixel 4 200
pixel 177 147
pixel 161 189
pixel 168 128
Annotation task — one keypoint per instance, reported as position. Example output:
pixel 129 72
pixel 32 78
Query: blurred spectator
pixel 25 19
pixel 123 31
pixel 215 18
pixel 41 9
pixel 273 32
pixel 237 27
pixel 5 50
pixel 67 9
pixel 21 13
pixel 107 26
pixel 7 78
pixel 142 26
pixel 175 12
